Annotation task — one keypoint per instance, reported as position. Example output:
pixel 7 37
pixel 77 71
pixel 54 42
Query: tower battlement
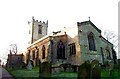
pixel 41 22
pixel 38 29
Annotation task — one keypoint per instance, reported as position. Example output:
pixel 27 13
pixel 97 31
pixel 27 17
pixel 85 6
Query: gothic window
pixel 39 29
pixel 43 52
pixel 102 54
pixel 60 50
pixel 28 54
pixel 37 56
pixel 33 55
pixel 91 41
pixel 37 52
pixel 72 49
pixel 108 53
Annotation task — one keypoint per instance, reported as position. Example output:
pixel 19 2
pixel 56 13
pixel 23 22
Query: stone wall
pixel 83 30
pixel 50 53
pixel 34 28
pixel 39 44
pixel 72 33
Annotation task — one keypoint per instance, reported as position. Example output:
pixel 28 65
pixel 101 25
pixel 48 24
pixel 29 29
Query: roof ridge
pixel 89 22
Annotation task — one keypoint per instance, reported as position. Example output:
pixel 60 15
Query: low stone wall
pixel 59 69
pixel 47 68
pixel 56 69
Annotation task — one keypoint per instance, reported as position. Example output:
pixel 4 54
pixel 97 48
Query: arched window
pixel 37 52
pixel 60 50
pixel 108 53
pixel 33 55
pixel 37 56
pixel 43 52
pixel 39 29
pixel 91 41
pixel 28 54
pixel 72 49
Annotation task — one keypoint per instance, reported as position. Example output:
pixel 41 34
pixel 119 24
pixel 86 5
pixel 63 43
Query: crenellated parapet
pixel 39 22
pixel 38 29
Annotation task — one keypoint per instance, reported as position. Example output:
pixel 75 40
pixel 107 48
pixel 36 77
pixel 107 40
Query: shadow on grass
pixel 24 73
pixel 34 74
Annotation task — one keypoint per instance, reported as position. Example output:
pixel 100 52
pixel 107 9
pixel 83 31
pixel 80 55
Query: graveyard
pixel 86 70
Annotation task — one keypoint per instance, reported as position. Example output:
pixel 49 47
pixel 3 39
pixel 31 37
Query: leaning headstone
pixel 29 66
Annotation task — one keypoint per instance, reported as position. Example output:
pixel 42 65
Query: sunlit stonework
pixel 80 42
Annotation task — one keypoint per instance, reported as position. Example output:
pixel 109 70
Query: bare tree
pixel 13 48
pixel 112 37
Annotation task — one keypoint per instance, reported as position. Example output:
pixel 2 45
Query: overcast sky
pixel 15 14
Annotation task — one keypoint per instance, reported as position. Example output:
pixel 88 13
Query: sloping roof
pixel 89 22
pixel 47 36
pixel 106 40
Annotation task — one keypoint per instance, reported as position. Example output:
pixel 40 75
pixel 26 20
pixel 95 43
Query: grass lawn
pixel 65 74
pixel 24 73
pixel 104 73
pixel 34 73
pixel 114 74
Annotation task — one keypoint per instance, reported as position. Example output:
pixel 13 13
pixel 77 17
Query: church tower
pixel 37 30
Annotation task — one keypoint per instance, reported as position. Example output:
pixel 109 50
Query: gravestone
pixel 84 70
pixel 45 69
pixel 89 70
pixel 29 66
pixel 95 70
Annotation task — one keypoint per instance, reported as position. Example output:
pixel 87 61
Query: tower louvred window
pixel 39 29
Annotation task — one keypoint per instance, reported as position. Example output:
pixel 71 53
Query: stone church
pixel 80 42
